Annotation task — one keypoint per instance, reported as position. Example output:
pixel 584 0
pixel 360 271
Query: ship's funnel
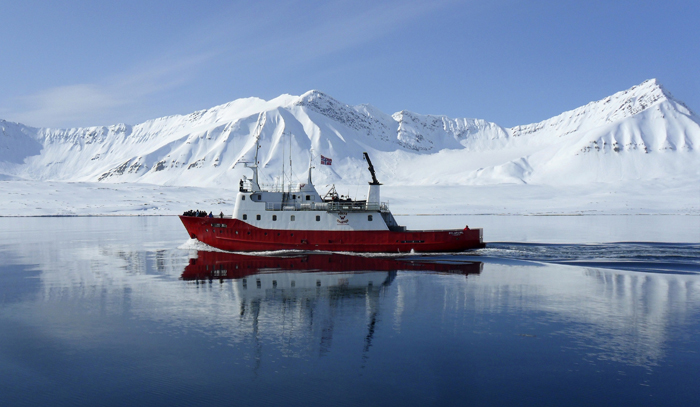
pixel 373 195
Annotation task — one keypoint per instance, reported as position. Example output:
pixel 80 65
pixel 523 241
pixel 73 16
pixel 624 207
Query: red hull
pixel 236 235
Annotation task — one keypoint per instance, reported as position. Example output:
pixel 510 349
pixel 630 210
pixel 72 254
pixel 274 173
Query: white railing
pixel 354 206
pixel 247 187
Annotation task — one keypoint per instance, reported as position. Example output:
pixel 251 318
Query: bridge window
pixel 292 218
pixel 369 218
pixel 318 218
pixel 274 217
pixel 257 217
pixel 245 217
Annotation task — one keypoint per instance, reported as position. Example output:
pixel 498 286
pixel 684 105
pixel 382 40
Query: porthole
pixel 308 197
pixel 274 217
pixel 292 218
pixel 257 217
pixel 242 197
pixel 245 217
pixel 318 218
pixel 369 218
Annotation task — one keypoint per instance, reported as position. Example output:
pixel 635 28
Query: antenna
pixel 311 162
pixel 291 172
pixel 282 177
pixel 258 131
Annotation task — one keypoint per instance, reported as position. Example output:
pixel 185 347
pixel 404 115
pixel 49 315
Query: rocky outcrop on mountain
pixel 639 133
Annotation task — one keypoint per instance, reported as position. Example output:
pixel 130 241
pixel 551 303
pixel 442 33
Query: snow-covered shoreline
pixel 37 198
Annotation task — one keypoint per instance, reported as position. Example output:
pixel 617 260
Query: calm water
pixel 110 311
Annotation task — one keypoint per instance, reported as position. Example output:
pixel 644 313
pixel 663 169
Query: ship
pixel 299 218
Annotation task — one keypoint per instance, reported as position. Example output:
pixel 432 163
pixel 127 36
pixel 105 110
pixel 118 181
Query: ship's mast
pixel 311 163
pixel 291 172
pixel 255 186
pixel 282 177
pixel 310 167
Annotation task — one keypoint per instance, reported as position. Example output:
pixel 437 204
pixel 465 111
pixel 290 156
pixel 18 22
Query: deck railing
pixel 354 206
pixel 247 186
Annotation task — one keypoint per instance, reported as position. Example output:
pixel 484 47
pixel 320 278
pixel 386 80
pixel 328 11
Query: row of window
pixel 274 217
pixel 291 218
pixel 259 197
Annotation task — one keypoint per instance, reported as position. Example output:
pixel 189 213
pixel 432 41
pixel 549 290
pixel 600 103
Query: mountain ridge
pixel 202 148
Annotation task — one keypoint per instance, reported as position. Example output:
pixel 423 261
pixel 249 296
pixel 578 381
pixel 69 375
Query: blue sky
pixel 84 63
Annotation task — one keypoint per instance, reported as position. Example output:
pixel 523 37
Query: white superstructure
pixel 302 208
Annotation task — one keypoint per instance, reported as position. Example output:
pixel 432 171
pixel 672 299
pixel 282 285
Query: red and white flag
pixel 325 160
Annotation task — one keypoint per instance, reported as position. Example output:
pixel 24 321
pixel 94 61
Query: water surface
pixel 110 311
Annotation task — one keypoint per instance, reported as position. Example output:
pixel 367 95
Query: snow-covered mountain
pixel 642 133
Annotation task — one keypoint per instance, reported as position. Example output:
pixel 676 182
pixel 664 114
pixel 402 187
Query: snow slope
pixel 640 133
pixel 634 138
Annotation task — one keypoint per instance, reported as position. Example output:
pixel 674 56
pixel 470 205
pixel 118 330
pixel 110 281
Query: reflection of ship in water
pixel 218 265
pixel 308 294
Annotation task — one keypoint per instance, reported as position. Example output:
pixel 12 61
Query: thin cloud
pixel 65 104
pixel 336 26
pixel 91 104
pixel 284 36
